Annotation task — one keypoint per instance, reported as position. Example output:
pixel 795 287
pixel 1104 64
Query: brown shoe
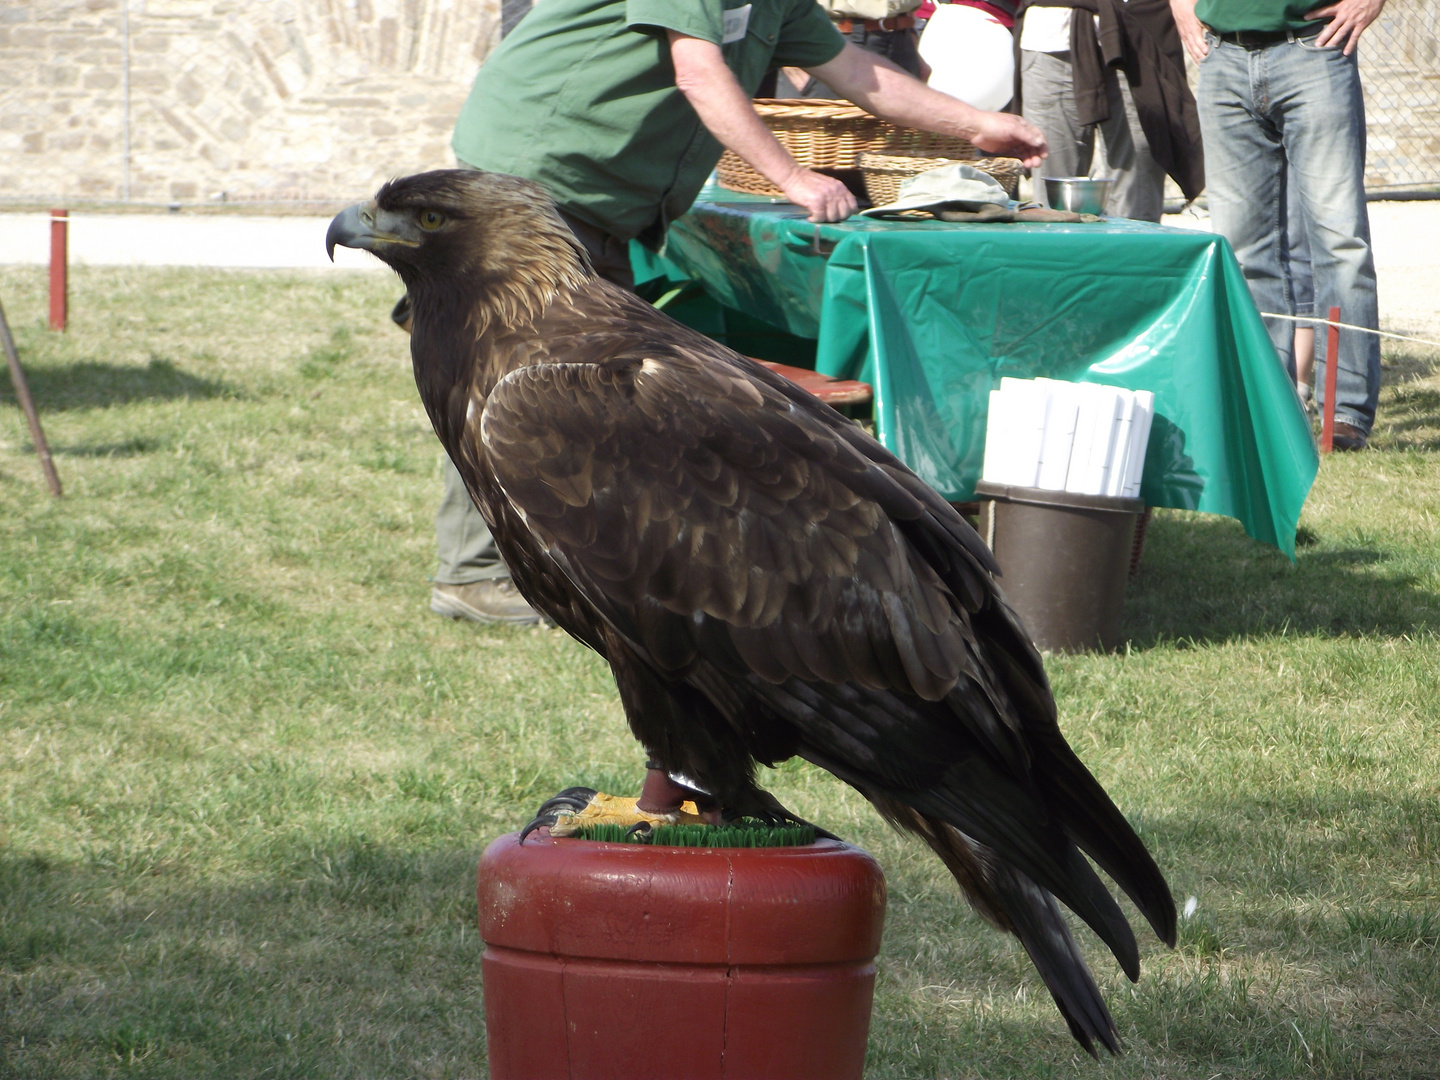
pixel 493 601
pixel 1348 437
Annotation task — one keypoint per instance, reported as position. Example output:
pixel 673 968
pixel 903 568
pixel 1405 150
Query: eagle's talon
pixel 640 829
pixel 553 810
pixel 538 821
pixel 578 808
pixel 572 800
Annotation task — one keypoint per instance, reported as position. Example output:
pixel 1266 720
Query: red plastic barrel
pixel 662 963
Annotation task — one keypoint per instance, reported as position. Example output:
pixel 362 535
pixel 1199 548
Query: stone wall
pixel 282 100
pixel 252 100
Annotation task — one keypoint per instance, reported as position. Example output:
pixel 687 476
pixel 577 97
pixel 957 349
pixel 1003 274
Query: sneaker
pixel 493 601
pixel 1348 437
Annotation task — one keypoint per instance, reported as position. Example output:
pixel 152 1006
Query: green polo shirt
pixel 581 97
pixel 1227 16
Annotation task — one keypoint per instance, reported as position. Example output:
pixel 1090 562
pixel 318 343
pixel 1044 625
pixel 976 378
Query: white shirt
pixel 1046 29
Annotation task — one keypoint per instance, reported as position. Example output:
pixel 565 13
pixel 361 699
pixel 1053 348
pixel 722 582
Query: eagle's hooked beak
pixel 349 228
pixel 367 227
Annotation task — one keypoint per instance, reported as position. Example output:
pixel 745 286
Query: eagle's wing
pixel 714 516
pixel 764 579
pixel 677 484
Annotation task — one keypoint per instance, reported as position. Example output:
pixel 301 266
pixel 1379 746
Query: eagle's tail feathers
pixel 998 814
pixel 1040 926
pixel 1096 825
pixel 1011 901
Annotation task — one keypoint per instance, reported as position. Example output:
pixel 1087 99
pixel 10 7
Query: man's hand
pixel 1011 135
pixel 826 198
pixel 1348 20
pixel 882 89
pixel 726 111
pixel 1192 30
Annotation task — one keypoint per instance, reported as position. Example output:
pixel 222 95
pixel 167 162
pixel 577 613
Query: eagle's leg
pixel 663 794
pixel 662 801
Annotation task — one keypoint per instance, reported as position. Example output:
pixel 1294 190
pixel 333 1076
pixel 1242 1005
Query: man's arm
pixel 725 110
pixel 1192 30
pixel 881 88
pixel 1348 20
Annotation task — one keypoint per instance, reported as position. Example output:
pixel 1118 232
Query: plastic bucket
pixel 662 963
pixel 1064 560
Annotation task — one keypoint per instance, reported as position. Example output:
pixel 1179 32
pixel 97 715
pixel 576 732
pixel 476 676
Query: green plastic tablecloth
pixel 932 315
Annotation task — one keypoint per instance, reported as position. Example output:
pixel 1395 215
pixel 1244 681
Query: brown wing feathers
pixel 767 580
pixel 833 580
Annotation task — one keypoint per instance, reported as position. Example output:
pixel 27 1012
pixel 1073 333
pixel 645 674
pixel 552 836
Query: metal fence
pixel 1400 70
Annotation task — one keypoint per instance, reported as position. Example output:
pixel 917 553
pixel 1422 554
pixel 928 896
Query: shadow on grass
pixel 1409 413
pixel 1407 365
pixel 95 384
pixel 129 959
pixel 1411 420
pixel 356 959
pixel 1203 579
pixel 137 446
pixel 1264 843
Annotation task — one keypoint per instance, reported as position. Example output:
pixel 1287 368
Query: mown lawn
pixel 245 775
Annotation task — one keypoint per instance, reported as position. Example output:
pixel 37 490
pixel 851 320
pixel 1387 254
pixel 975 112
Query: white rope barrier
pixel 1347 326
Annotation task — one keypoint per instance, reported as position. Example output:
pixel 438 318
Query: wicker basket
pixel 885 172
pixel 824 134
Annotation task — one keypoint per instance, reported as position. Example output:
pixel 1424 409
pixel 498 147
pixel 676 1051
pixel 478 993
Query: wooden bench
pixel 834 392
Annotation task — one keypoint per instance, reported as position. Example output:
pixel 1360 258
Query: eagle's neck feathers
pixel 481 283
pixel 467 336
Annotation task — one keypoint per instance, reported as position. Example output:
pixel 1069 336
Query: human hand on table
pixel 1348 20
pixel 826 198
pixel 1011 135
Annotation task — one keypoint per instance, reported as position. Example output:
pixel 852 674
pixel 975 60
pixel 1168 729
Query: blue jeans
pixel 1292 114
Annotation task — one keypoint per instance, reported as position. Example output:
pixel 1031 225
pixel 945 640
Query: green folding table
pixel 934 314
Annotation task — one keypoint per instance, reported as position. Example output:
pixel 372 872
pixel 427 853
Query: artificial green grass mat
pixel 733 834
pixel 246 776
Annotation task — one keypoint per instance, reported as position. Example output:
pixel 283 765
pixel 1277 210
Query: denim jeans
pixel 1292 114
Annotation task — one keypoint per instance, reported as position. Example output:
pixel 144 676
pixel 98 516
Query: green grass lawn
pixel 245 775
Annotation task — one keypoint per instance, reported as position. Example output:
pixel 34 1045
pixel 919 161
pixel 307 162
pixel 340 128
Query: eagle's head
pixel 495 239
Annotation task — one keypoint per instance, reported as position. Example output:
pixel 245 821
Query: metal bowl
pixel 1078 194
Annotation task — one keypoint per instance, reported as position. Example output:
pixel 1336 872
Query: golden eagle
pixel 764 578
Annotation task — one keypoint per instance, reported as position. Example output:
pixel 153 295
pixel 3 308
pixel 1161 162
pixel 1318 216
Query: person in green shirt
pixel 621 108
pixel 1282 115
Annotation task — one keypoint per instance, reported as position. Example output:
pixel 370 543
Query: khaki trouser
pixel 1048 92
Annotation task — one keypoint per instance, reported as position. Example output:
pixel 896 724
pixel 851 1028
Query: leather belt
pixel 1258 39
pixel 899 22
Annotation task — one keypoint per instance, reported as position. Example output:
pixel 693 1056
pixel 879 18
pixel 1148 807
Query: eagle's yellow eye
pixel 431 219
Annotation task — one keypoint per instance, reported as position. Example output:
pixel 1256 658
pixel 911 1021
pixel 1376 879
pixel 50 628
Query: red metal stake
pixel 59 265
pixel 1332 356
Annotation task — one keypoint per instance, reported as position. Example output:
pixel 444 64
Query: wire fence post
pixel 59 268
pixel 1332 358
